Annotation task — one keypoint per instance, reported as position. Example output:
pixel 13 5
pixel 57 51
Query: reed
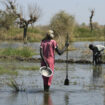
pixel 15 86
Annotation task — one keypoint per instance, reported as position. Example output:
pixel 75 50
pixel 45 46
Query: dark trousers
pixel 97 58
pixel 46 88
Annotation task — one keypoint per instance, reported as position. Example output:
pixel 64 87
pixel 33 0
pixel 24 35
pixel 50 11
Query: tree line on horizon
pixel 62 23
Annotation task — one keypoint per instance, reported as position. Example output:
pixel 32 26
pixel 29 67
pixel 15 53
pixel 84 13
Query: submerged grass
pixel 7 71
pixel 23 52
pixel 13 69
pixel 29 68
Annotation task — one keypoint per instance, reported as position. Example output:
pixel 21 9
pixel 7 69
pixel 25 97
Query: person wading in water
pixel 47 52
pixel 96 49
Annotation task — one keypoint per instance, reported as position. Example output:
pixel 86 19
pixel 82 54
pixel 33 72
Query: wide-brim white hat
pixel 47 72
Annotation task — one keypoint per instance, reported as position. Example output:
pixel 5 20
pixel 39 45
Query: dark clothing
pixel 96 55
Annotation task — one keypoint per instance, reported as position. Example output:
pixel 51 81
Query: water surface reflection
pixel 86 86
pixel 98 75
pixel 47 99
pixel 66 99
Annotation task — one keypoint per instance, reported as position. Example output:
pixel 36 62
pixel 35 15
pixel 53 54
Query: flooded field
pixel 81 49
pixel 86 82
pixel 86 86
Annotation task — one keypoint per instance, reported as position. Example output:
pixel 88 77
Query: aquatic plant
pixel 23 52
pixel 15 86
pixel 7 71
pixel 29 68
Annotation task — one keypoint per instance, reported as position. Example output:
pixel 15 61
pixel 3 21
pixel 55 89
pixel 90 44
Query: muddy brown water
pixel 86 82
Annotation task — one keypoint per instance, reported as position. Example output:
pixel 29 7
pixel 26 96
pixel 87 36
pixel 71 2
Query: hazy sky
pixel 78 8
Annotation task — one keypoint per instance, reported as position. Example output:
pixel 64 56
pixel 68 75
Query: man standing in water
pixel 47 52
pixel 96 49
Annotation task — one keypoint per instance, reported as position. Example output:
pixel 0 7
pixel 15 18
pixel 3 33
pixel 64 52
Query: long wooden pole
pixel 66 82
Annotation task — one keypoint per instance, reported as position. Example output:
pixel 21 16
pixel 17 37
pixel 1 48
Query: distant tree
pixel 62 23
pixel 83 24
pixel 7 18
pixel 96 26
pixel 34 14
pixel 91 16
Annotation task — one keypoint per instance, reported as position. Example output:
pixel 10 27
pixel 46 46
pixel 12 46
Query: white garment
pixel 100 47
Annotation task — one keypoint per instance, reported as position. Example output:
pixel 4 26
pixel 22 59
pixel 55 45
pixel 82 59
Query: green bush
pixel 34 30
pixel 84 32
pixel 63 23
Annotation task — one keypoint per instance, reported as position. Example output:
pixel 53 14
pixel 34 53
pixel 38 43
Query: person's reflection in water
pixel 47 99
pixel 97 72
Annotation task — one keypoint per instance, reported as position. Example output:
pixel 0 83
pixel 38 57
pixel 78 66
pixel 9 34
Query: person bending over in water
pixel 96 49
pixel 47 52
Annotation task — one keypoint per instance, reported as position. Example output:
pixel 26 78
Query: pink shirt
pixel 48 48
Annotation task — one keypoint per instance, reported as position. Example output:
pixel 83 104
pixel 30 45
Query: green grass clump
pixel 15 86
pixel 29 68
pixel 34 30
pixel 7 71
pixel 23 52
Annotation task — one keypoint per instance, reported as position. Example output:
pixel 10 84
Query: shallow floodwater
pixel 86 86
pixel 86 81
pixel 81 51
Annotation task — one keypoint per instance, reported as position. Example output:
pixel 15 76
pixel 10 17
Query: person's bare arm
pixel 41 54
pixel 60 52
